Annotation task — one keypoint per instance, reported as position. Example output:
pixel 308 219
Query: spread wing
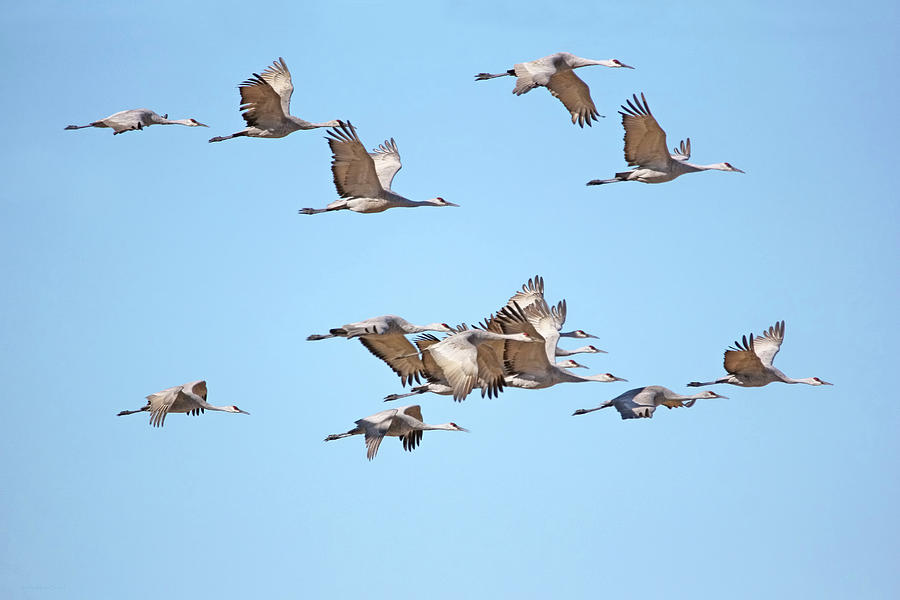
pixel 395 350
pixel 458 359
pixel 433 372
pixel 279 77
pixel 645 141
pixel 575 96
pixel 742 358
pixel 414 411
pixel 376 427
pixel 532 291
pixel 260 103
pixel 521 357
pixel 387 162
pixel 544 320
pixel 353 169
pixel 683 152
pixel 635 404
pixel 768 344
pixel 490 368
pixel 160 403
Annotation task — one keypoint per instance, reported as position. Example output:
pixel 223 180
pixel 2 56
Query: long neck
pixel 208 406
pixel 429 327
pixel 582 350
pixel 577 61
pixel 806 380
pixel 691 167
pixel 299 123
pixel 162 121
pixel 444 426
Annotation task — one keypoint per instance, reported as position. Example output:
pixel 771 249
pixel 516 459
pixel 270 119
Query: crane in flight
pixel 135 120
pixel 404 422
pixel 266 106
pixel 556 73
pixel 189 398
pixel 363 180
pixel 640 403
pixel 645 148
pixel 749 362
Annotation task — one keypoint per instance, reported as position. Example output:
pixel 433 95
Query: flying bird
pixel 137 119
pixel 749 361
pixel 363 180
pixel 555 72
pixel 189 398
pixel 266 105
pixel 641 402
pixel 404 422
pixel 645 148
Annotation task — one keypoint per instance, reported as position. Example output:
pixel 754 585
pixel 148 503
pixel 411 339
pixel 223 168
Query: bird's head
pixel 727 167
pixel 458 428
pixel 711 394
pixel 609 377
pixel 594 349
pixel 615 63
pixel 578 333
pixel 235 409
pixel 440 202
pixel 817 381
pixel 195 123
pixel 571 364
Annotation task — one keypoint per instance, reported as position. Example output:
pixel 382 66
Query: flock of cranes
pixel 517 345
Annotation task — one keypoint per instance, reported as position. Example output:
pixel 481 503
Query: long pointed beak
pixel 450 204
pixel 618 378
pixel 243 412
pixel 626 66
pixel 826 383
pixel 738 170
pixel 591 336
pixel 458 428
pixel 721 396
pixel 202 125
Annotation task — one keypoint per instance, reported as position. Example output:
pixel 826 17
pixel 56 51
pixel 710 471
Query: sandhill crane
pixel 383 325
pixel 266 105
pixel 555 72
pixel 641 402
pixel 404 422
pixel 137 119
pixel 749 363
pixel 384 337
pixel 530 366
pixel 189 398
pixel 645 147
pixel 363 180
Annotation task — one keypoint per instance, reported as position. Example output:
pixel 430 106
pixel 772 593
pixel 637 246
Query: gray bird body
pixel 135 120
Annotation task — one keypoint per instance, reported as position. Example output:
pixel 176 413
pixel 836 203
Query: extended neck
pixel 444 426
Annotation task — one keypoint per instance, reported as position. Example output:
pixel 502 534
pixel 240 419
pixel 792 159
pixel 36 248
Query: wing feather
pixel 260 103
pixel 575 96
pixel 645 141
pixel 353 168
pixel 279 77
pixel 387 162
pixel 394 350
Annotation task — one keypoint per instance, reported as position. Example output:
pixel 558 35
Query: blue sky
pixel 142 261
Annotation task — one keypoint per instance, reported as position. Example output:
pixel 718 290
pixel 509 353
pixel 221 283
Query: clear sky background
pixel 137 262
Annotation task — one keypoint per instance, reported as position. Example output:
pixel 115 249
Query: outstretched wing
pixel 635 404
pixel 645 141
pixel 458 359
pixel 433 373
pixel 395 350
pixel 575 96
pixel 742 358
pixel 353 169
pixel 768 344
pixel 532 291
pixel 683 152
pixel 160 403
pixel 387 162
pixel 260 103
pixel 279 77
